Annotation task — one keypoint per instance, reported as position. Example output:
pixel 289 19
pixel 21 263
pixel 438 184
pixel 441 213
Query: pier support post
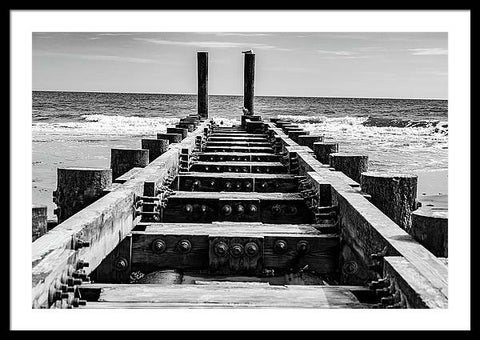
pixel 181 131
pixel 393 193
pixel 78 188
pixel 350 165
pixel 248 82
pixel 39 221
pixel 123 160
pixel 156 147
pixel 308 140
pixel 171 137
pixel 202 60
pixel 322 151
pixel 430 229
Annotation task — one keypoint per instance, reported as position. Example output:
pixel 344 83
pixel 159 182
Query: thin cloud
pixel 211 44
pixel 338 53
pixel 428 51
pixel 97 57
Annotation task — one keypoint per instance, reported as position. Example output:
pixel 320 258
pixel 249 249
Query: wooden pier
pixel 232 217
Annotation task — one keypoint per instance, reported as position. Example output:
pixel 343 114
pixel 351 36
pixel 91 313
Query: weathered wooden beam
pixel 200 181
pixel 236 157
pixel 262 149
pixel 221 295
pixel 182 131
pixel 102 225
pixel 238 143
pixel 246 167
pixel 280 246
pixel 171 137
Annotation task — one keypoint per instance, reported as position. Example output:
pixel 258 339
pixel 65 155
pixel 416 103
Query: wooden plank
pixel 321 254
pixel 257 138
pixel 236 156
pixel 224 181
pixel 413 286
pixel 246 167
pixel 103 224
pixel 238 143
pixel 223 295
pixel 264 149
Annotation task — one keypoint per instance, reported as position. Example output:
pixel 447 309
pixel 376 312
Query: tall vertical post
pixel 202 61
pixel 248 82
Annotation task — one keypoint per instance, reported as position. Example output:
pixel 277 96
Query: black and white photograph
pixel 197 174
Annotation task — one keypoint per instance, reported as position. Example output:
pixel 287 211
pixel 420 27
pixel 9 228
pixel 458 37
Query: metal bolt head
pixel 226 210
pixel 221 249
pixel 280 247
pixel 238 185
pixel 302 247
pixel 276 209
pixel 251 249
pixel 228 185
pixel 203 208
pixel 212 182
pixel 188 208
pixel 248 185
pixel 264 185
pixel 184 246
pixel 236 250
pixel 252 209
pixel 121 264
pixel 240 209
pixel 292 210
pixel 159 246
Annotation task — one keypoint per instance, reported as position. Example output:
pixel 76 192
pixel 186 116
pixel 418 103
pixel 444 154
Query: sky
pixel 308 64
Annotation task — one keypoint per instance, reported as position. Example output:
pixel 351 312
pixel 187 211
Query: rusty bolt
pixel 196 184
pixel 188 208
pixel 80 244
pixel 226 210
pixel 228 185
pixel 82 264
pixel 244 169
pixel 238 185
pixel 248 185
pixel 221 249
pixel 280 247
pixel 60 295
pixel 206 168
pixel 276 209
pixel 264 185
pixel 292 210
pixel 240 209
pixel 252 209
pixel 212 182
pixel 159 246
pixel 203 208
pixel 184 246
pixel 121 264
pixel 73 281
pixel 302 247
pixel 77 302
pixel 236 250
pixel 66 288
pixel 251 249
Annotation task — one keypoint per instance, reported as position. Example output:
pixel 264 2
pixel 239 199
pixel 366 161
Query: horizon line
pixel 238 95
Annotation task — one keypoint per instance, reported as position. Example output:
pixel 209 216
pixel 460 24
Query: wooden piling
pixel 308 140
pixel 123 160
pixel 393 193
pixel 322 151
pixel 156 147
pixel 39 221
pixel 78 188
pixel 182 131
pixel 202 60
pixel 430 229
pixel 350 165
pixel 248 82
pixel 171 137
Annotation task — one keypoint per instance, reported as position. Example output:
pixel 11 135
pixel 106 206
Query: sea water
pixel 80 128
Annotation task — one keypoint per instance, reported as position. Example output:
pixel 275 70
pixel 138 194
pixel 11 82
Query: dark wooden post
pixel 123 160
pixel 39 221
pixel 430 229
pixel 78 188
pixel 393 193
pixel 202 60
pixel 156 147
pixel 248 82
pixel 323 150
pixel 350 165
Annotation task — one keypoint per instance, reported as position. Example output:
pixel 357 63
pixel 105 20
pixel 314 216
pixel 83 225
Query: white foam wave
pixel 98 124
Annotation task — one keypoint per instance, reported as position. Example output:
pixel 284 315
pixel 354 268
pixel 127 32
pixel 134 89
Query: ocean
pixel 80 128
